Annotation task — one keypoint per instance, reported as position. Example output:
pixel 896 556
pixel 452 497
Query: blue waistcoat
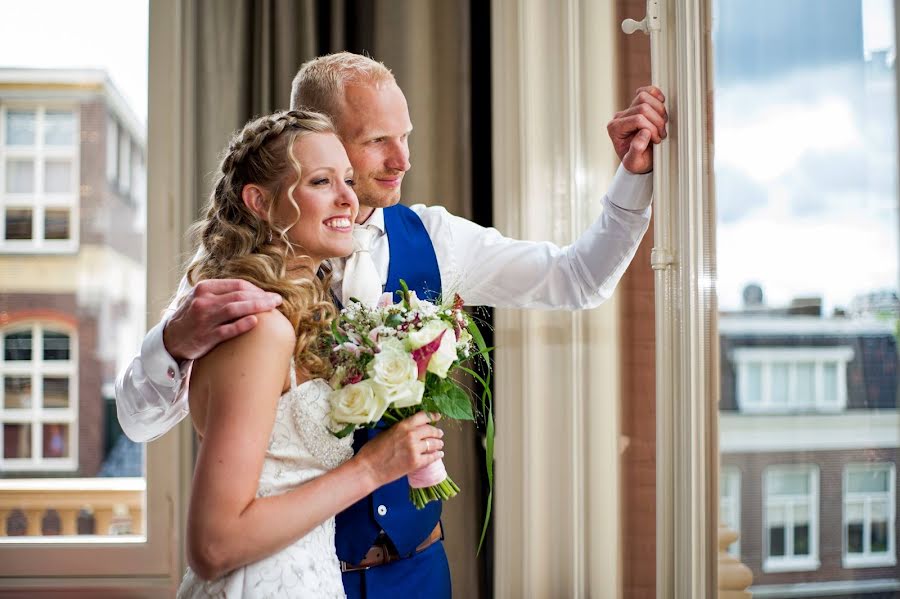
pixel 412 259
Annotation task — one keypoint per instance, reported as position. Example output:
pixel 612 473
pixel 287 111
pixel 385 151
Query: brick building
pixel 72 230
pixel 810 444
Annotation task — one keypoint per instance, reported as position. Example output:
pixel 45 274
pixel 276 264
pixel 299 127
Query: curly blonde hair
pixel 235 243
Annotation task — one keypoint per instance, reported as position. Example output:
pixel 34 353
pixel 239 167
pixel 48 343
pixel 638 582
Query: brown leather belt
pixel 382 553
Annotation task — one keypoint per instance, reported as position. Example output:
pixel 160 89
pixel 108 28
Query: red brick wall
pixel 638 407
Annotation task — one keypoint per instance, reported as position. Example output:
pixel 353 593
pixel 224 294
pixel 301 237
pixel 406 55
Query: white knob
pixel 629 26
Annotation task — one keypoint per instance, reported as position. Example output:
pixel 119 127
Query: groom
pixel 386 546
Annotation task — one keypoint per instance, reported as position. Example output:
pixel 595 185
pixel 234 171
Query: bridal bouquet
pixel 393 360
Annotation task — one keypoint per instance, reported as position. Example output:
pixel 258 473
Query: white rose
pixel 443 358
pixel 395 375
pixel 359 403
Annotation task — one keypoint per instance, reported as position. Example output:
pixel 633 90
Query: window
pixel 38 401
pixel 730 504
pixel 791 518
pixel 786 379
pixel 39 162
pixel 869 513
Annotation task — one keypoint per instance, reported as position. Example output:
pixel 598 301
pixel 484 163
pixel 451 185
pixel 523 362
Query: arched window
pixel 39 401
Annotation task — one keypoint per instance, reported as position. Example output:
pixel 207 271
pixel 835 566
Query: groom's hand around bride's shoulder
pixel 633 129
pixel 214 311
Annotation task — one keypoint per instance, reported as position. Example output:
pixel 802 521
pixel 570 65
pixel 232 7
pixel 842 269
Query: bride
pixel 269 476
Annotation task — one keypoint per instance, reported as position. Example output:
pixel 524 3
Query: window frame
pixel 768 357
pixel 39 201
pixel 154 566
pixel 37 415
pixel 868 559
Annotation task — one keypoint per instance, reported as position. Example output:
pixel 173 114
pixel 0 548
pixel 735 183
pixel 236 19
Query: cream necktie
pixel 361 279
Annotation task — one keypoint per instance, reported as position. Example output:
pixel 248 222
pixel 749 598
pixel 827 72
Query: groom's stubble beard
pixel 371 194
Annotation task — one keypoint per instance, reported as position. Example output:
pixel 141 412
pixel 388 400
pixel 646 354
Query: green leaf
pixel 454 403
pixel 345 431
pixel 476 335
pixel 405 293
pixel 393 321
pixel 341 338
pixel 489 464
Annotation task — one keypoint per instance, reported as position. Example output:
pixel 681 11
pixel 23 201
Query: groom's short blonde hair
pixel 319 85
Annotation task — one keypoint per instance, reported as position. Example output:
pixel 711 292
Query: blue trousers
pixel 425 575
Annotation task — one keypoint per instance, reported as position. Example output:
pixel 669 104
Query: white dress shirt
pixel 479 263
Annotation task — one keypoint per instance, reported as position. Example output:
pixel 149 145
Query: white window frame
pixel 150 567
pixel 112 151
pixel 39 201
pixel 869 559
pixel 791 563
pixel 731 481
pixel 37 415
pixel 767 357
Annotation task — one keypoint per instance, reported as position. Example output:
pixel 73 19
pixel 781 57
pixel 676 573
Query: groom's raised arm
pixel 151 393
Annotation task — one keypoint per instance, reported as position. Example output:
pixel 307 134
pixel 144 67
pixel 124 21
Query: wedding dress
pixel 300 449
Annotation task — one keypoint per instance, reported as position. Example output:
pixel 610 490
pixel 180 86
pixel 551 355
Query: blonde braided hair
pixel 235 242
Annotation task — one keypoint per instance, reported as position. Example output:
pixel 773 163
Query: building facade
pixel 810 443
pixel 72 281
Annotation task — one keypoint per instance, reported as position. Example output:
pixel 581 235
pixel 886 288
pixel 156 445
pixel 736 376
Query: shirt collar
pixel 376 219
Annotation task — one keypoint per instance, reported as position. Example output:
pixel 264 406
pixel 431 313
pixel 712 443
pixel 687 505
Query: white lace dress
pixel 300 449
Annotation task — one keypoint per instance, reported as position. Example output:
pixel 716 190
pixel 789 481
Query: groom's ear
pixel 254 199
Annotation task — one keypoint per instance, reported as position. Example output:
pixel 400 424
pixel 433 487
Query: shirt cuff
pixel 630 191
pixel 159 366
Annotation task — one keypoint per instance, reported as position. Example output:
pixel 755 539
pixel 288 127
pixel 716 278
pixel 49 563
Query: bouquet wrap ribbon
pixel 428 476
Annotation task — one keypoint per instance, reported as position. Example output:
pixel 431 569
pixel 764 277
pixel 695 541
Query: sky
pixel 806 180
pixel 106 34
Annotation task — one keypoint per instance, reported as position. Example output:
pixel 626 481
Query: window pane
pixel 56 392
pixel 17 346
pixel 780 384
pixel 829 383
pixel 776 541
pixel 20 127
pixel 854 511
pixel 80 463
pixel 801 540
pixel 867 481
pixel 59 128
pixel 56 440
pixel 56 346
pixel 788 483
pixel 879 509
pixel 18 224
pixel 753 386
pixel 879 538
pixel 16 392
pixel 16 441
pixel 815 300
pixel 58 176
pixel 19 175
pixel 56 223
pixel 855 538
pixel 806 384
pixel 775 515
